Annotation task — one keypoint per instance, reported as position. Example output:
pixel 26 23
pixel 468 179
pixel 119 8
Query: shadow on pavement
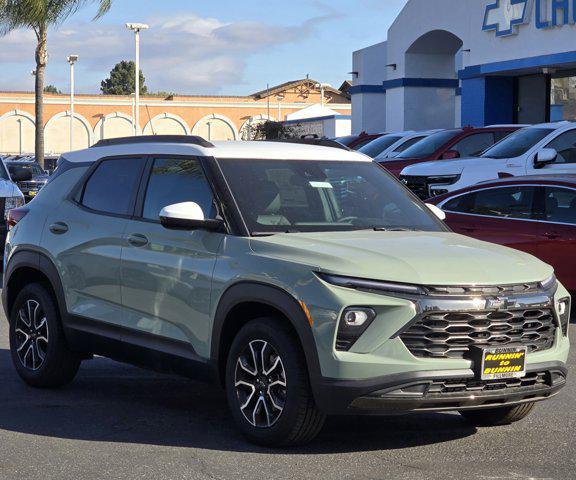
pixel 110 402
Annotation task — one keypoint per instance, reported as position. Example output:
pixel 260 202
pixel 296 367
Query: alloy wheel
pixel 260 382
pixel 31 330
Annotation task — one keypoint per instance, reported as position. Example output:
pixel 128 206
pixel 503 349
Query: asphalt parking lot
pixel 116 421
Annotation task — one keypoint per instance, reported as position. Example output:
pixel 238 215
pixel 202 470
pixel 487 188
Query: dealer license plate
pixel 499 363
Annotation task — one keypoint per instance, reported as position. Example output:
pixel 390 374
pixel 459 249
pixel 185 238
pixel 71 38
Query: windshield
pixel 376 147
pixel 277 196
pixel 32 167
pixel 518 143
pixel 429 145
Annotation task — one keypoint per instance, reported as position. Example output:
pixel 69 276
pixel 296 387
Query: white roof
pixel 221 150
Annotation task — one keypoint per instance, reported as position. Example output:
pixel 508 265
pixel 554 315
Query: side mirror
pixel 451 154
pixel 545 157
pixel 187 216
pixel 21 175
pixel 437 211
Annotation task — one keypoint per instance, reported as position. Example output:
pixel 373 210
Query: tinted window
pixel 407 144
pixel 376 147
pixel 565 145
pixel 429 145
pixel 177 181
pixel 112 186
pixel 322 196
pixel 505 202
pixel 518 143
pixel 361 143
pixel 561 205
pixel 474 145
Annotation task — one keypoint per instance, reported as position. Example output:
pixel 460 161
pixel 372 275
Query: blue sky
pixel 208 47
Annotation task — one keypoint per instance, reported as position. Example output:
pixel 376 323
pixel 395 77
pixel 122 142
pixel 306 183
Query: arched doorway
pixel 432 61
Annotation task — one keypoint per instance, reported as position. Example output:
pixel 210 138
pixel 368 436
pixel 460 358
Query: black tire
pixel 494 417
pixel 300 420
pixel 44 359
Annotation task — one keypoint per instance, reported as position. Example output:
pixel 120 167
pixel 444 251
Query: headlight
pixel 353 323
pixel 361 284
pixel 12 203
pixel 563 309
pixel 443 180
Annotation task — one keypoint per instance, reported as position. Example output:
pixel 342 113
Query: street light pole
pixel 72 59
pixel 136 28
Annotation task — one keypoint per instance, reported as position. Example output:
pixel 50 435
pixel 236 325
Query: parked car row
pixel 513 185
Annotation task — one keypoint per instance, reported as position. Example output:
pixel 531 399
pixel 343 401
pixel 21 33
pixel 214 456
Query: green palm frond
pixel 16 14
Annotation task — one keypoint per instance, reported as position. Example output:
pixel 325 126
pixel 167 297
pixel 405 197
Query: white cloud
pixel 184 53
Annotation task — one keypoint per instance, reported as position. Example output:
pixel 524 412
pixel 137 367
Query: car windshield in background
pixel 518 143
pixel 32 167
pixel 376 147
pixel 429 145
pixel 346 141
pixel 277 196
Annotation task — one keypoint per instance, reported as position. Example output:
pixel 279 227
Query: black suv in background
pixel 29 188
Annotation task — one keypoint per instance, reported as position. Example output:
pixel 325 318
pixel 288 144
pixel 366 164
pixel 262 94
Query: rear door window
pixel 505 202
pixel 113 185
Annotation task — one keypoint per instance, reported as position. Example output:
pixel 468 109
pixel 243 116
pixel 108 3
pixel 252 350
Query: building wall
pixel 444 40
pixel 100 116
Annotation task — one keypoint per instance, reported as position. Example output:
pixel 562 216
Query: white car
pixel 544 148
pixel 392 144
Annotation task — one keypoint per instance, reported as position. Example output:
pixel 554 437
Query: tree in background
pixel 122 81
pixel 270 130
pixel 39 16
pixel 52 89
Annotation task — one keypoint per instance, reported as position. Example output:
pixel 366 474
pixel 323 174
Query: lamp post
pixel 136 28
pixel 72 59
pixel 322 87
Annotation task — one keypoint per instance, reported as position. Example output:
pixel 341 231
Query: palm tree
pixel 39 16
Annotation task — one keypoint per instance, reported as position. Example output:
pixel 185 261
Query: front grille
pixel 30 186
pixel 451 335
pixel 470 385
pixel 494 290
pixel 418 185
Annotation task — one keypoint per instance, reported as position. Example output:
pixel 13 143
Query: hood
pixel 439 167
pixel 419 258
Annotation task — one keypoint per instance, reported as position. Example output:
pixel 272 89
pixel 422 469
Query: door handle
pixel 137 240
pixel 59 228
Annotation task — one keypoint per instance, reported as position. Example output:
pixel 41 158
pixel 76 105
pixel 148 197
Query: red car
pixel 449 144
pixel 356 142
pixel 534 214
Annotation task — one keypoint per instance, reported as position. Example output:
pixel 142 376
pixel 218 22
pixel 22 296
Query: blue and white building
pixel 449 63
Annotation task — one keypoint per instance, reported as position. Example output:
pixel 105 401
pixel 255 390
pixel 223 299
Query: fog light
pixel 354 322
pixel 356 318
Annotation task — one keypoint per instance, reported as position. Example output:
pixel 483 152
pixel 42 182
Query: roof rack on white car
pixel 182 139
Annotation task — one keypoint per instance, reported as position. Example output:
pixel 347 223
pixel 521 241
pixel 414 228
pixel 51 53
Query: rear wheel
pixel 37 344
pixel 268 387
pixel 494 417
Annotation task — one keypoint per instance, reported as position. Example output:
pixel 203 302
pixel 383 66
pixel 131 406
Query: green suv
pixel 304 279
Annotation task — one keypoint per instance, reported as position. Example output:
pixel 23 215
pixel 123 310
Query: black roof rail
pixel 319 142
pixel 183 139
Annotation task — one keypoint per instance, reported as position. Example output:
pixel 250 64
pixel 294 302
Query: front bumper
pixel 452 390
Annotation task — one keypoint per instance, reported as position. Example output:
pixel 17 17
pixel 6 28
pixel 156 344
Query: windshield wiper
pixel 270 234
pixel 394 229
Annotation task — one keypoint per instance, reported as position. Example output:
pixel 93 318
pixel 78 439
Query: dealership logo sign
pixel 506 16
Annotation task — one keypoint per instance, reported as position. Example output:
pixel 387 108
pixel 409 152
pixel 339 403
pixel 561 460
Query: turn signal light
pixel 15 215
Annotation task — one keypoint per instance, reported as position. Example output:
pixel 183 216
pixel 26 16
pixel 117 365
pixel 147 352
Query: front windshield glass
pixel 429 145
pixel 518 143
pixel 32 167
pixel 277 196
pixel 376 147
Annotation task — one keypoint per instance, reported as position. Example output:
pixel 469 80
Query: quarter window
pixel 510 202
pixel 112 186
pixel 565 145
pixel 177 180
pixel 561 205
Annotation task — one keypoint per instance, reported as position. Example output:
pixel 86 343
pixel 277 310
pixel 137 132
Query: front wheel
pixel 268 387
pixel 39 350
pixel 494 417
